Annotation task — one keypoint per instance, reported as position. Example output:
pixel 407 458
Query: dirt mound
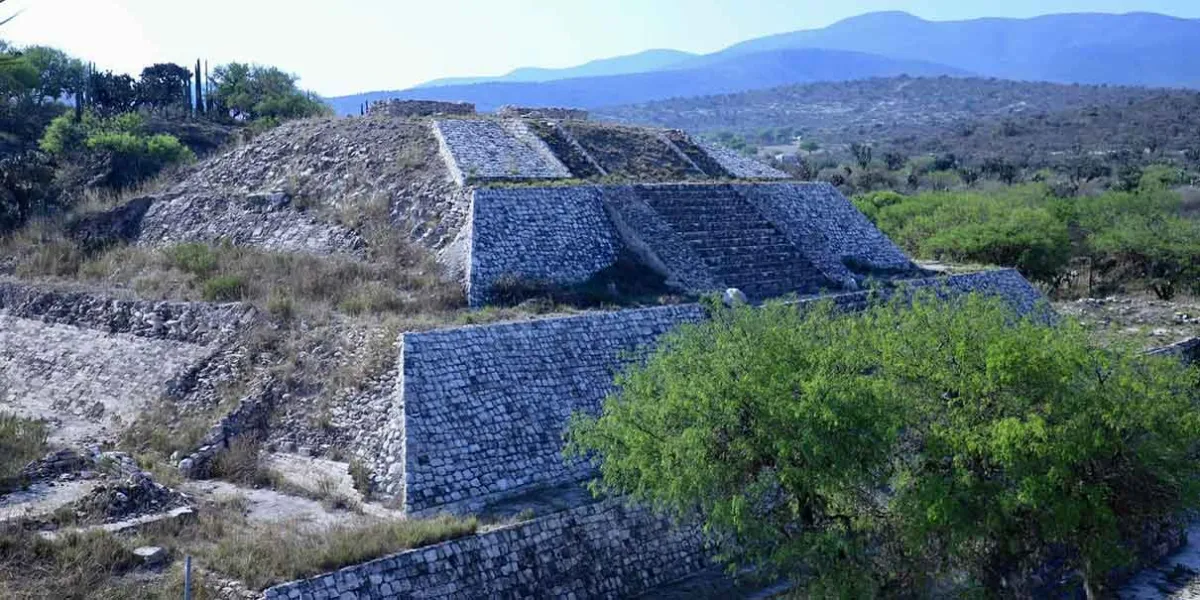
pixel 298 188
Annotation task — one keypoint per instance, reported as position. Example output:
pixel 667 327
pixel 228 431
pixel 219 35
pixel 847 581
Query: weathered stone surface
pixel 602 550
pixel 555 234
pixel 151 556
pixel 768 240
pixel 278 190
pixel 92 363
pixel 480 411
pixel 486 150
pixel 542 112
pixel 420 108
pixel 86 380
pixel 740 166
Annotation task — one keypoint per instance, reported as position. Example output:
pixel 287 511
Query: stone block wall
pixel 480 411
pixel 738 165
pixel 484 408
pixel 420 108
pixel 600 550
pixel 770 239
pixel 554 234
pixel 189 322
pixel 826 227
pixel 542 112
pixel 485 150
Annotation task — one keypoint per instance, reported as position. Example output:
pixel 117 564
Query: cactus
pixel 199 104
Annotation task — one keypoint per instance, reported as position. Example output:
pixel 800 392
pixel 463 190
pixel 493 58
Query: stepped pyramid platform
pixel 482 150
pixel 767 240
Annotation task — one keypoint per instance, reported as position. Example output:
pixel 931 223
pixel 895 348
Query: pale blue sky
pixel 345 46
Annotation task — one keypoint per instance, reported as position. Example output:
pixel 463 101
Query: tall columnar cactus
pixel 199 99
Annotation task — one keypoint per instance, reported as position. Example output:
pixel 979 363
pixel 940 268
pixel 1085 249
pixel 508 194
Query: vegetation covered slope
pixel 877 108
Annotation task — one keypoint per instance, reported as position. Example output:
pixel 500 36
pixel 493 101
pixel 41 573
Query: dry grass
pixel 21 441
pixel 261 555
pixel 76 565
pixel 264 556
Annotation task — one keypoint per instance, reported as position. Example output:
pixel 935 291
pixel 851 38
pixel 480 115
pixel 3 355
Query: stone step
pixel 760 287
pixel 770 246
pixel 725 236
pixel 759 240
pixel 730 208
pixel 748 262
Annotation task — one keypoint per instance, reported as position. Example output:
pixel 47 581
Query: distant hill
pixel 866 110
pixel 649 60
pixel 1025 123
pixel 1128 49
pixel 729 74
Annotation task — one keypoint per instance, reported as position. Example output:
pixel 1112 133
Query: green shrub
pixel 871 203
pixel 133 155
pixel 197 259
pixel 361 474
pixel 224 288
pixel 21 441
pixel 909 446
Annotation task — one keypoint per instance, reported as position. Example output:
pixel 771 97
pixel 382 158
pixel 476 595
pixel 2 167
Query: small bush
pixel 361 474
pixel 225 288
pixel 241 463
pixel 196 259
pixel 21 442
pixel 133 156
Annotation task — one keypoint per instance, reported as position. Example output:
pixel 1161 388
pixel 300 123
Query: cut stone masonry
pixel 768 240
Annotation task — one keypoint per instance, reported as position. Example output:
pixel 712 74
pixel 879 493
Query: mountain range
pixel 1143 49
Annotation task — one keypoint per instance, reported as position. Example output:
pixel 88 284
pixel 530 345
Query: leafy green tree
pixel 164 86
pixel 923 442
pixel 59 74
pixel 258 93
pixel 111 95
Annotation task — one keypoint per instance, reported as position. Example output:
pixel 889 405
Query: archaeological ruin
pixel 467 418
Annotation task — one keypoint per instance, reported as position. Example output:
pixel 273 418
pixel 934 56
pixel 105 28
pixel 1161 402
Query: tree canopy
pixel 898 449
pixel 255 92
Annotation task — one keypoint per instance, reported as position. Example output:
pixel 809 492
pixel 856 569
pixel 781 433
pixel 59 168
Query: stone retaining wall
pixel 190 322
pixel 566 234
pixel 1188 350
pixel 826 227
pixel 601 550
pixel 554 234
pixel 485 150
pixel 542 112
pixel 420 108
pixel 480 411
pixel 92 364
pixel 484 408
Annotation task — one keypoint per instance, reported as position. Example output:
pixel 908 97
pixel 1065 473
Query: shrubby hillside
pixel 879 108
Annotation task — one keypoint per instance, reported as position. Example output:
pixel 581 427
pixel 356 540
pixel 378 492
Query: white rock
pixel 733 297
pixel 151 555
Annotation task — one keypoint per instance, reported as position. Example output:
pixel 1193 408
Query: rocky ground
pixel 1140 319
pixel 310 171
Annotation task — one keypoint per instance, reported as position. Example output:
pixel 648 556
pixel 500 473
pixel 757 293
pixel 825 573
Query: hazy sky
pixel 345 46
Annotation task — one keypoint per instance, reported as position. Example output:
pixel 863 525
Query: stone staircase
pixel 740 247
